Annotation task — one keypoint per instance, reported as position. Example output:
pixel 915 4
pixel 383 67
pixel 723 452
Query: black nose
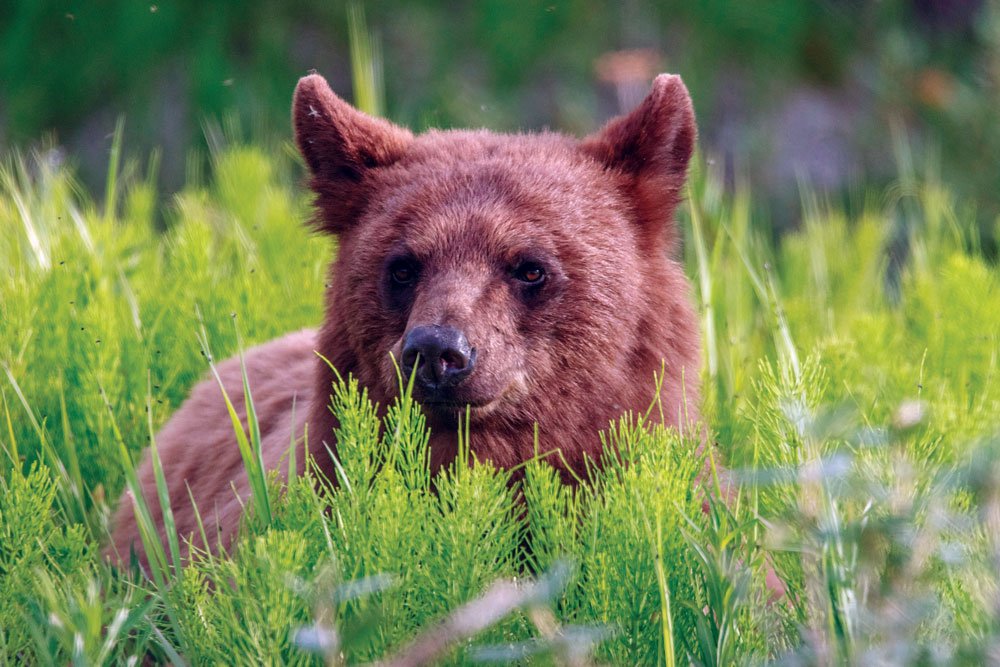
pixel 441 356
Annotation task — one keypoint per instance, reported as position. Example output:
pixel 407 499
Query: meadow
pixel 850 386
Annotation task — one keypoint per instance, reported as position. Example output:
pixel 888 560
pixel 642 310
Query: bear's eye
pixel 402 273
pixel 530 273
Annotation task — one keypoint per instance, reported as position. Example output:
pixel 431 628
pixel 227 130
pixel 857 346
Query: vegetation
pixel 851 381
pixel 851 376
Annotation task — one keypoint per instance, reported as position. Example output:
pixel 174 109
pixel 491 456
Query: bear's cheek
pixel 372 329
pixel 385 351
pixel 592 333
pixel 501 374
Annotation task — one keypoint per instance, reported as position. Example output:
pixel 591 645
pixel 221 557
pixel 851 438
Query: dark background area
pixel 823 92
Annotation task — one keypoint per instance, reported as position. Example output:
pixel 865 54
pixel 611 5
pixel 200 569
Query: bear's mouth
pixel 449 412
pixel 450 406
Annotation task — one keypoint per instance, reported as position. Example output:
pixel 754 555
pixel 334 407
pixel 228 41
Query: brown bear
pixel 528 278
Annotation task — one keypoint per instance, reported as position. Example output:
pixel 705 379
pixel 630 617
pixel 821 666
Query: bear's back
pixel 198 447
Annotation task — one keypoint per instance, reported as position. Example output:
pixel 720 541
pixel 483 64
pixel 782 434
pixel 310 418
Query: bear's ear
pixel 652 145
pixel 341 145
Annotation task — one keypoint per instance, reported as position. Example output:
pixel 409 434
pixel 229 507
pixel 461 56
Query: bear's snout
pixel 439 358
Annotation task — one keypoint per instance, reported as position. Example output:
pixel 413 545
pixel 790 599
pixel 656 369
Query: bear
pixel 530 279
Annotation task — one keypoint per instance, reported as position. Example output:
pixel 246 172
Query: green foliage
pixel 854 402
pixel 631 515
pixel 83 295
pixel 87 617
pixel 33 540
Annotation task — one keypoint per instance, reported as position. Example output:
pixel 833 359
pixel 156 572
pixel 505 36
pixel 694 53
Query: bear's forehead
pixel 535 167
pixel 469 145
pixel 477 198
pixel 498 184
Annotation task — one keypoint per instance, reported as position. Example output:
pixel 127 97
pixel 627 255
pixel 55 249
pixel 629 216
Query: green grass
pixel 859 413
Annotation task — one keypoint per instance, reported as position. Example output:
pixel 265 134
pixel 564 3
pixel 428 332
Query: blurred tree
pixel 833 71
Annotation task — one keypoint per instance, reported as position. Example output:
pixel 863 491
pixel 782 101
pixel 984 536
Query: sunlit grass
pixel 859 415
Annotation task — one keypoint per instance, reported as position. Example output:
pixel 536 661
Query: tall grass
pixel 861 422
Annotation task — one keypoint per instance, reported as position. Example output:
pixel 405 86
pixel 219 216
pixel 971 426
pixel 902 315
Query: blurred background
pixel 829 93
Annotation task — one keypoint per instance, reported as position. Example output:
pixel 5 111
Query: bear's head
pixel 528 278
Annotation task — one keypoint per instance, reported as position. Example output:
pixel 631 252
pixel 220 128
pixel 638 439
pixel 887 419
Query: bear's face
pixel 526 278
pixel 523 247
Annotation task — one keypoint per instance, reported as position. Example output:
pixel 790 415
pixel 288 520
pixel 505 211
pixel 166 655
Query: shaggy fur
pixel 465 210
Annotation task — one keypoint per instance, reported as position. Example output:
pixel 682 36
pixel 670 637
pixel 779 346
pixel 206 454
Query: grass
pixel 857 408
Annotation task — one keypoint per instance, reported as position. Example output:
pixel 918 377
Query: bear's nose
pixel 441 356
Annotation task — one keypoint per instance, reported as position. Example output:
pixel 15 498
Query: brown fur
pixel 467 207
